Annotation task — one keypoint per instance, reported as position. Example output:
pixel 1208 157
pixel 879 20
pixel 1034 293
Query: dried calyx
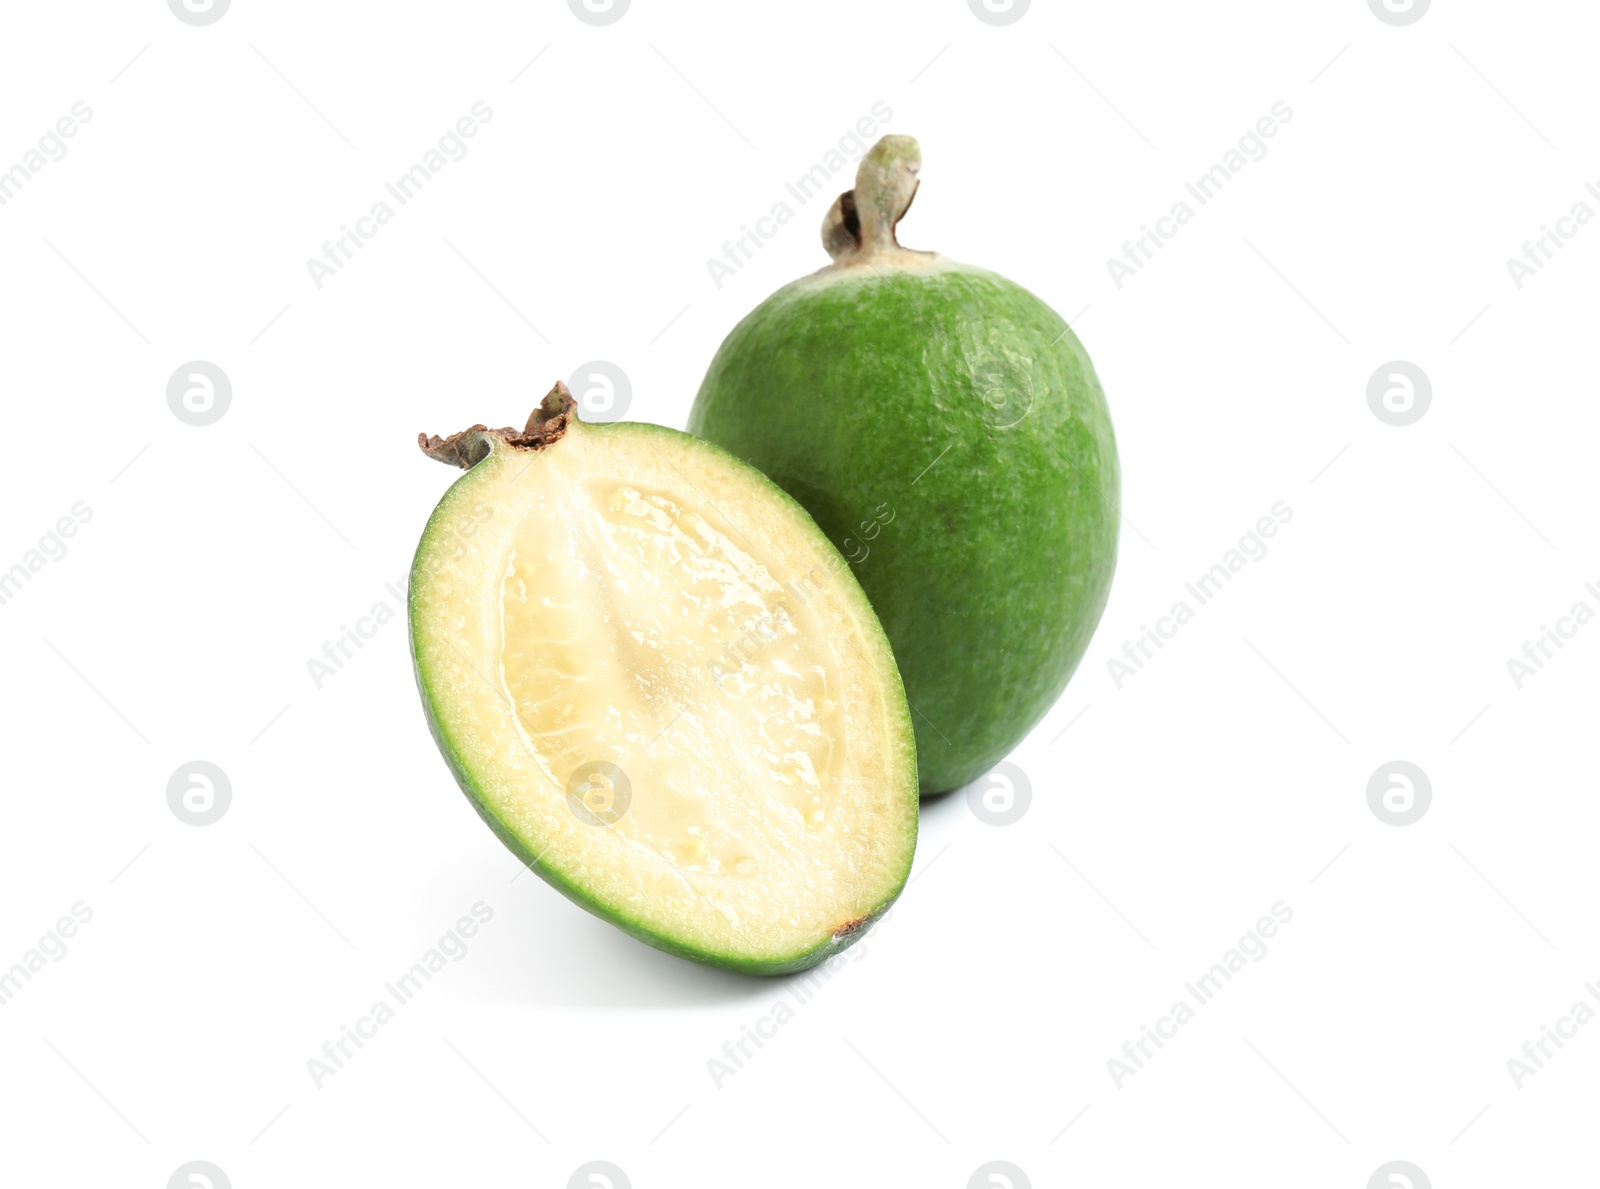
pixel 859 228
pixel 471 446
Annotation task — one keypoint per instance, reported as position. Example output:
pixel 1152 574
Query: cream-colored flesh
pixel 627 617
pixel 663 681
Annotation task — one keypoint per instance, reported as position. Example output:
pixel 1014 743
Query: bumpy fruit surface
pixel 947 431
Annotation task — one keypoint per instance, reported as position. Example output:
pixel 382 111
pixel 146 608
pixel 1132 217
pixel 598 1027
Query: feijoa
pixel 947 431
pixel 663 689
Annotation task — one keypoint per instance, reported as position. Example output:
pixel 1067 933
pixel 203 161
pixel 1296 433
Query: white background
pixel 1167 815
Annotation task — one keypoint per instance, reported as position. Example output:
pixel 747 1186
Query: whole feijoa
pixel 947 431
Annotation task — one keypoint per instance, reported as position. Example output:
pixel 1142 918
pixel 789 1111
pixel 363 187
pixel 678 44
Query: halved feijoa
pixel 663 689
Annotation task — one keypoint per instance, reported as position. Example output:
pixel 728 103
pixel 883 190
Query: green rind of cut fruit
pixel 493 482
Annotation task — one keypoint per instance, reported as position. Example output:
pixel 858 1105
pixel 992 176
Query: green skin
pixel 960 405
pixel 434 552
